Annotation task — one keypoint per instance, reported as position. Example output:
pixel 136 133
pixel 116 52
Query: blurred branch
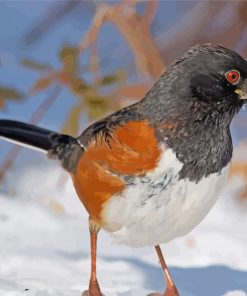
pixel 94 63
pixel 150 12
pixel 72 123
pixel 34 65
pixel 51 17
pixel 7 94
pixel 42 84
pixel 135 31
pixel 102 14
pixel 65 76
pixel 239 169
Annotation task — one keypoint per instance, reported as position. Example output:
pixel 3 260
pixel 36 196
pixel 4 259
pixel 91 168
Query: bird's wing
pixel 129 149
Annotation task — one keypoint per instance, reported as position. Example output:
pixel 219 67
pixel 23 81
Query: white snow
pixel 44 246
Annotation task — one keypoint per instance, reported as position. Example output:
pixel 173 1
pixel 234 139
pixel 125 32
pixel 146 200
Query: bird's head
pixel 215 73
pixel 207 80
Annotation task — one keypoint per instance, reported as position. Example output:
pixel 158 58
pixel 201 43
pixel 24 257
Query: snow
pixel 44 246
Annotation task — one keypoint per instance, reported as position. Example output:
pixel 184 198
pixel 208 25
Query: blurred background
pixel 65 64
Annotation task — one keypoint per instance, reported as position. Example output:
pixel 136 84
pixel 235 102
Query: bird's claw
pixel 172 291
pixel 93 293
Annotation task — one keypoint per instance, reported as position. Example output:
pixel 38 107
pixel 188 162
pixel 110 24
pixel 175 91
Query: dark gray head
pixel 208 80
pixel 214 73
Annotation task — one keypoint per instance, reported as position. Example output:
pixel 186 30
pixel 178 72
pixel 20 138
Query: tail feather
pixel 63 147
pixel 26 134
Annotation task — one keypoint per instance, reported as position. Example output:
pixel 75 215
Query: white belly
pixel 158 208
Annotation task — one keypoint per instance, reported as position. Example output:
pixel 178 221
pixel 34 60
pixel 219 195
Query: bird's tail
pixel 63 147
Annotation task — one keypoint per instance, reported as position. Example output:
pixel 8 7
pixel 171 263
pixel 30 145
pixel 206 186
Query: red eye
pixel 233 76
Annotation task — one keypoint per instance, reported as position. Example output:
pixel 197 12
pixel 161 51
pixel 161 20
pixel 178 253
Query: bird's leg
pixel 94 289
pixel 171 289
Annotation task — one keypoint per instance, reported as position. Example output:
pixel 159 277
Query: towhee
pixel 151 172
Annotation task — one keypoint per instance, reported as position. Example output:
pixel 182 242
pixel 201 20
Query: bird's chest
pixel 159 206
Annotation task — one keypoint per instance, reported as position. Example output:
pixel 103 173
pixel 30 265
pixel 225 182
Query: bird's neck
pixel 198 134
pixel 202 148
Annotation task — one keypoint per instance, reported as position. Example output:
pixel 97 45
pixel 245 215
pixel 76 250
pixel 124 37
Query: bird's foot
pixel 94 289
pixel 171 291
pixel 92 293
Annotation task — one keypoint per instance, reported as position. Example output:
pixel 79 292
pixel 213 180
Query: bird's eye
pixel 233 76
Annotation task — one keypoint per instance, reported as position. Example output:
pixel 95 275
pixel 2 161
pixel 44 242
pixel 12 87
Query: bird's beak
pixel 242 90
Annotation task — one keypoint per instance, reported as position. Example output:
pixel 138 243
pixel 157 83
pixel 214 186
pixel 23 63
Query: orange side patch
pixel 132 149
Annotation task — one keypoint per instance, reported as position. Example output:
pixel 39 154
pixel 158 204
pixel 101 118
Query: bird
pixel 150 172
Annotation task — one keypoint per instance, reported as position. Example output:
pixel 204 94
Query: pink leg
pixel 94 289
pixel 171 289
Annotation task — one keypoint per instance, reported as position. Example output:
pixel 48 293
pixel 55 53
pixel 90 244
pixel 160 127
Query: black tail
pixel 58 145
pixel 29 135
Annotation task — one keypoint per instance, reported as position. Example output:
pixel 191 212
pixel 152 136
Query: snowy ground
pixel 44 247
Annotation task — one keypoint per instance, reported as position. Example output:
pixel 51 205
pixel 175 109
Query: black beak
pixel 242 90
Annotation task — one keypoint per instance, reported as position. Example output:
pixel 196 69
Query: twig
pixel 150 12
pixel 51 18
pixel 136 32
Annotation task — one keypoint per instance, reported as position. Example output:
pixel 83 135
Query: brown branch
pixel 150 12
pixel 51 18
pixel 134 30
pixel 100 17
pixel 94 64
pixel 239 169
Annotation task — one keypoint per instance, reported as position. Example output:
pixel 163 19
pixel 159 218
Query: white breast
pixel 158 207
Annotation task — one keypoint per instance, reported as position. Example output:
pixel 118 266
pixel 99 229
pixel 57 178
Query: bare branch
pixel 51 18
pixel 100 17
pixel 134 30
pixel 150 12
